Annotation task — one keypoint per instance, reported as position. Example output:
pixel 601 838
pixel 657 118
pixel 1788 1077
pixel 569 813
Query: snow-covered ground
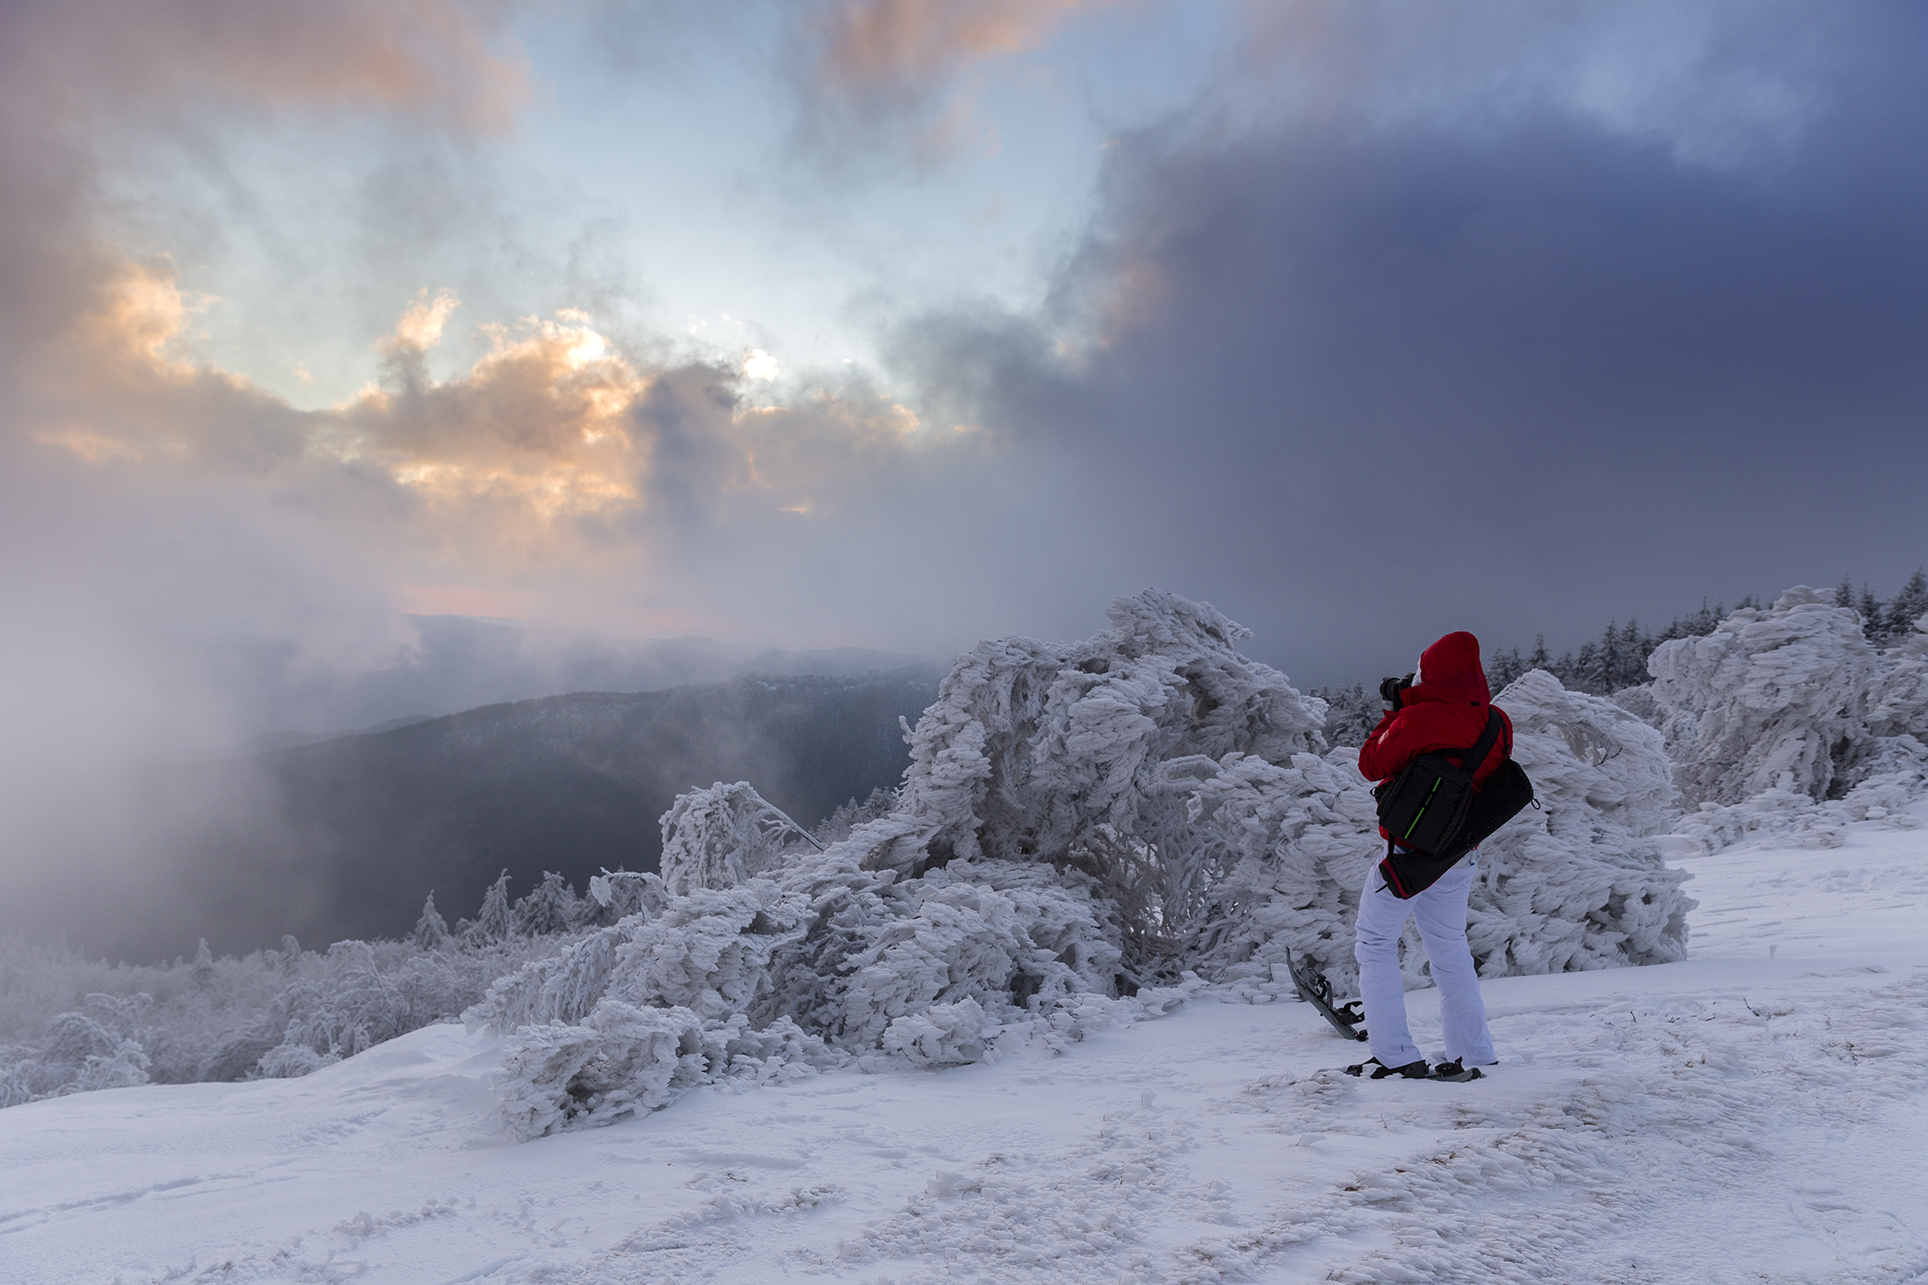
pixel 1755 1113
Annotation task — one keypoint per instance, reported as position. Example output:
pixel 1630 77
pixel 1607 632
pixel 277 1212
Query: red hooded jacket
pixel 1444 709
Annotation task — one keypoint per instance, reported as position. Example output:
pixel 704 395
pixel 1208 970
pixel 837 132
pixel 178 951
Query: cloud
pixel 1360 377
pixel 884 68
pixel 1721 82
pixel 143 505
pixel 897 47
pixel 442 59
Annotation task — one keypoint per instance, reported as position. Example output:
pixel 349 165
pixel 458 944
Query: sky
pixel 899 323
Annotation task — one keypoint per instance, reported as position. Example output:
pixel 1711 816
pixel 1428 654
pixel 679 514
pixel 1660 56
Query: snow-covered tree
pixel 1057 753
pixel 495 920
pixel 431 930
pixel 551 907
pixel 848 816
pixel 1351 713
pixel 1579 882
pixel 1871 616
pixel 1908 607
pixel 717 838
pixel 1502 667
pixel 1773 698
pixel 614 895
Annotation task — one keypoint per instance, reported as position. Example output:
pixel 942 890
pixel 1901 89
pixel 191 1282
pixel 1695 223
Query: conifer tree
pixel 1611 662
pixel 1585 671
pixel 1908 606
pixel 494 921
pixel 1504 667
pixel 551 907
pixel 1870 608
pixel 431 930
pixel 1539 659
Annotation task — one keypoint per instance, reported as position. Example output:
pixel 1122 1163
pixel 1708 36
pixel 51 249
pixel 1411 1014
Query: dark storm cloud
pixel 1359 383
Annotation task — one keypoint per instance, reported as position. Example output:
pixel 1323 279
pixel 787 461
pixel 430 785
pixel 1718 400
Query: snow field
pixel 1751 1114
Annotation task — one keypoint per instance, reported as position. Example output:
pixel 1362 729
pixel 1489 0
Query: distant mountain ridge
pixel 346 836
pixel 457 663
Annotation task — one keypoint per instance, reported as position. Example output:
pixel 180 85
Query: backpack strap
pixel 1475 754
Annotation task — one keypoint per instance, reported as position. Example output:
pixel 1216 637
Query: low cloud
pixel 1509 368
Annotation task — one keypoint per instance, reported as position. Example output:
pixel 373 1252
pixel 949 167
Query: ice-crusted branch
pixel 717 838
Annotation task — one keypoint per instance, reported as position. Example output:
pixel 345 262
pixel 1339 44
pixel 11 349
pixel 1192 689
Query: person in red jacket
pixel 1443 707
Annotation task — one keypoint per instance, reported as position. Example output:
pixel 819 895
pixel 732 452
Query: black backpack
pixel 1432 810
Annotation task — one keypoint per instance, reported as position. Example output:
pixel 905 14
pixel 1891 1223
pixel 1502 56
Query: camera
pixel 1389 689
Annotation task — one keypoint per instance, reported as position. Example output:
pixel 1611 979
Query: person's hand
pixel 1389 689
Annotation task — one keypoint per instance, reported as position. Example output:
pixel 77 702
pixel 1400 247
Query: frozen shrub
pixel 614 895
pixel 625 1059
pixel 555 988
pixel 942 1035
pixel 1774 698
pixel 1056 753
pixel 287 1061
pixel 68 1024
pixel 999 935
pixel 124 1068
pixel 1283 851
pixel 717 838
pixel 1580 881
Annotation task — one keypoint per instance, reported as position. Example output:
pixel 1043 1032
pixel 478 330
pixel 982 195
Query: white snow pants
pixel 1441 914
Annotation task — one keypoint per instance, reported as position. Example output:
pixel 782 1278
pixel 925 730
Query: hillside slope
pixel 346 837
pixel 1749 1114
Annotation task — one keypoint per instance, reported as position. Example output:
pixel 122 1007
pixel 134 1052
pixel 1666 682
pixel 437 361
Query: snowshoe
pixel 1315 990
pixel 1380 1071
pixel 1455 1072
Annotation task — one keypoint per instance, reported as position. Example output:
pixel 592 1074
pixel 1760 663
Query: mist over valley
pixel 345 837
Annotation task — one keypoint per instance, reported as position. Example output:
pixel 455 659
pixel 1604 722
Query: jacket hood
pixel 1450 669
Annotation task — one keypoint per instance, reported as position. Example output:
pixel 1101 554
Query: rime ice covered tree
pixel 431 930
pixel 1579 882
pixel 717 838
pixel 1351 713
pixel 495 920
pixel 1772 698
pixel 1908 607
pixel 550 907
pixel 1061 753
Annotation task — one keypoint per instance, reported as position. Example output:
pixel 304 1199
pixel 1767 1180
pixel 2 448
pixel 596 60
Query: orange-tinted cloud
pixel 444 59
pixel 553 447
pixel 897 63
pixel 897 45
